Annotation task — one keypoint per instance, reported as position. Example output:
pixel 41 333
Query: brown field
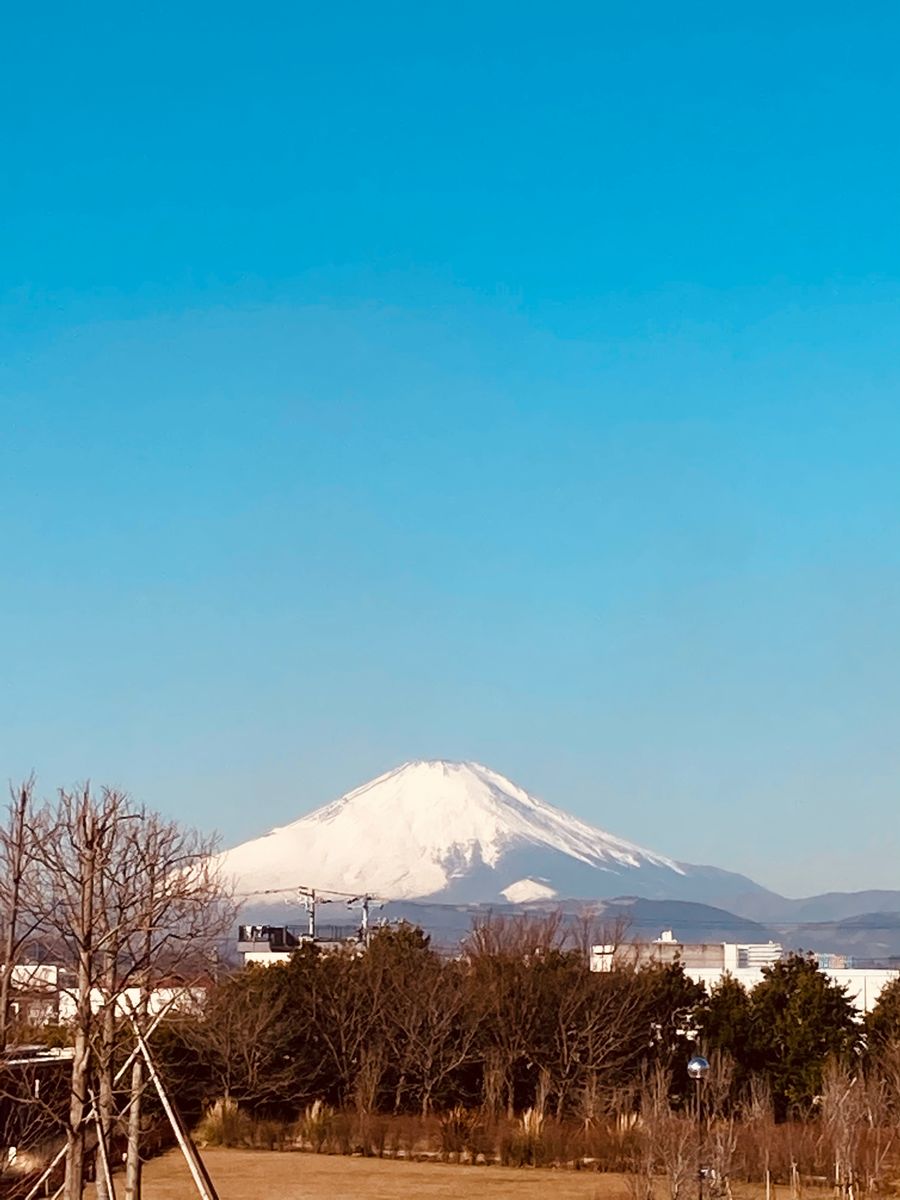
pixel 269 1175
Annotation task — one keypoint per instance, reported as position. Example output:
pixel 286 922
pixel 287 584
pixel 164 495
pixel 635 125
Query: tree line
pixel 516 1021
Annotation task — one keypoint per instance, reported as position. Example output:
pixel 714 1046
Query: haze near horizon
pixel 495 384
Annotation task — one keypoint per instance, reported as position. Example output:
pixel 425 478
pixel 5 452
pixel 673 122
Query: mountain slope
pixel 461 833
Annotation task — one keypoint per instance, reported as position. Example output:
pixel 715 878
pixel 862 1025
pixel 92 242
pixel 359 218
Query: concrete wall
pixel 863 986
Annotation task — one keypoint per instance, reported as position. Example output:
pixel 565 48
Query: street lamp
pixel 698 1069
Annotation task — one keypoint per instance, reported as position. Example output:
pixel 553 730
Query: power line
pixel 305 888
pixel 729 921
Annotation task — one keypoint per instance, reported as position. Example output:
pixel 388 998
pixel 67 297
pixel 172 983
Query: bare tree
pixel 858 1125
pixel 880 1130
pixel 432 1029
pixel 501 954
pixel 32 1097
pixel 757 1118
pixel 175 908
pixel 75 855
pixel 720 1129
pixel 548 1023
pixel 239 1036
pixel 15 860
pixel 129 895
pixel 886 1065
pixel 672 1136
pixel 115 889
pixel 593 1028
pixel 842 1116
pixel 346 1007
pixel 590 929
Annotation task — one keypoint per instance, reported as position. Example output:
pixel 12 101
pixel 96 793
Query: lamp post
pixel 698 1069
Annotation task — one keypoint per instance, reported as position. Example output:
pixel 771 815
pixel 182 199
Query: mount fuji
pixel 459 833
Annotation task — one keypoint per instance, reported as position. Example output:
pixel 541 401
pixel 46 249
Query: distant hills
pixel 830 906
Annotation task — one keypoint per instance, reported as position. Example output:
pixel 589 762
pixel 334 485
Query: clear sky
pixel 507 381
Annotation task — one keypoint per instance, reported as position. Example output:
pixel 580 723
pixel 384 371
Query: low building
pixel 34 992
pixel 46 993
pixel 268 944
pixel 167 996
pixel 862 984
pixel 708 962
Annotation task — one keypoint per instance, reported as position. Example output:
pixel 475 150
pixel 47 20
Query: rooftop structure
pixel 268 944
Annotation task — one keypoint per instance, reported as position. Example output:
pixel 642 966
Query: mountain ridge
pixel 456 834
pixel 460 832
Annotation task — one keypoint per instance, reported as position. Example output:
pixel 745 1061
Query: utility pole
pixel 309 898
pixel 364 903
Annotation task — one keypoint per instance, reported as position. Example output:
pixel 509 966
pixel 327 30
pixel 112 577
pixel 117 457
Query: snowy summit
pixel 459 832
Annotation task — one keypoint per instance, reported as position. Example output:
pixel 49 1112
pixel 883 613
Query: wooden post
pixel 120 1075
pixel 205 1187
pixel 102 1150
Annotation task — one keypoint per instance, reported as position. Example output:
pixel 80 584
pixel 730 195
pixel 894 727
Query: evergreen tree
pixel 883 1022
pixel 725 1025
pixel 799 1019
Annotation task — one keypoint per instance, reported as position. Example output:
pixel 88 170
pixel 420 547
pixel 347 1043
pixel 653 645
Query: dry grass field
pixel 266 1175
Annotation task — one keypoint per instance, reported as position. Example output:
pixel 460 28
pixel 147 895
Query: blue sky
pixel 509 382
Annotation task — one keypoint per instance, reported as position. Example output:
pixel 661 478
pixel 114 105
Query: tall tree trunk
pixel 16 864
pixel 78 1104
pixel 111 882
pixel 133 1154
pixel 133 1150
pixel 106 1110
pixel 398 1091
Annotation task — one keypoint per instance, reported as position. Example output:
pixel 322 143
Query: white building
pixel 173 997
pixel 266 958
pixel 708 962
pixel 35 975
pixel 265 945
pixel 34 992
pixel 863 984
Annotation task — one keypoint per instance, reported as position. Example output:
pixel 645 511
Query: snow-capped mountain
pixel 459 832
